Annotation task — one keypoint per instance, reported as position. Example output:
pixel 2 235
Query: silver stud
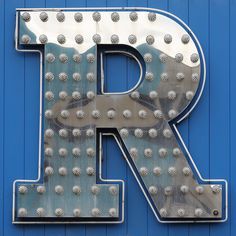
pixel 62 171
pixel 172 113
pixel 124 133
pixel 158 114
pixel 76 152
pixel 171 95
pixel 162 152
pixel 50 57
pixel 49 76
pixel 25 39
pixel 152 133
pixel 76 212
pixel 149 76
pixel 184 189
pixel 22 189
pixel 78 17
pixel 163 58
pixel 90 77
pixel 40 212
pixel 186 171
pixel 150 39
pixel 133 16
pixel 76 132
pixel 97 38
pixel 153 94
pixel 63 133
pixel 156 171
pixel 179 76
pixel 49 95
pixel 163 212
pixel 96 16
pixel 61 39
pixel 59 189
pixel 179 57
pixel 79 39
pixel 181 212
pixel 63 95
pixel 96 114
pixel 76 171
pixel 63 76
pixel 133 152
pixel 172 171
pixel 95 190
pixel 49 171
pixel 135 95
pixel 76 95
pixel 43 39
pixel 59 212
pixel 65 114
pixel 90 58
pixel 63 152
pixel 176 152
pixel 115 17
pixel 195 77
pixel 147 57
pixel 48 114
pixel 43 16
pixel 143 171
pixel 127 114
pixel 113 190
pixel 76 76
pixel 112 212
pixel 90 152
pixel 138 133
pixel 216 188
pixel 77 58
pixel 185 38
pixel 90 95
pixel 189 95
pixel 142 114
pixel 148 152
pixel 26 16
pixel 41 189
pixel 152 16
pixel 22 212
pixel 63 58
pixel 60 16
pixel 48 152
pixel 152 190
pixel 198 212
pixel 95 212
pixel 168 38
pixel 76 190
pixel 114 39
pixel 168 190
pixel 194 57
pixel 111 114
pixel 199 189
pixel 132 39
pixel 89 132
pixel 164 77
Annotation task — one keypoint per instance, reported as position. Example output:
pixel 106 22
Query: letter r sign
pixel 76 111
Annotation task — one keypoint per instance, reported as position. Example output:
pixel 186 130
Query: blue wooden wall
pixel 209 132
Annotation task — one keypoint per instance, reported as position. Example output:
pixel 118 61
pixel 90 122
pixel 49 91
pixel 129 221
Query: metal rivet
pixel 172 113
pixel 65 114
pixel 138 133
pixel 111 114
pixel 179 57
pixel 168 190
pixel 90 77
pixel 171 95
pixel 76 212
pixel 48 152
pixel 195 77
pixel 63 133
pixel 184 189
pixel 49 171
pixel 153 94
pixel 135 95
pixel 22 212
pixel 112 212
pixel 89 132
pixel 163 58
pixel 194 57
pixel 76 132
pixel 152 16
pixel 76 171
pixel 59 212
pixel 148 152
pixel 49 76
pixel 96 16
pixel 90 58
pixel 167 133
pixel 76 152
pixel 198 212
pixel 77 58
pixel 50 57
pixel 76 95
pixel 22 189
pixel 124 133
pixel 132 39
pixel 168 38
pixel 96 38
pixel 189 95
pixel 90 95
pixel 43 16
pixel 149 76
pixel 216 188
pixel 61 39
pixel 172 171
pixel 62 171
pixel 76 190
pixel 63 152
pixel 25 39
pixel 41 189
pixel 76 76
pixel 179 76
pixel 147 57
pixel 113 190
pixel 176 152
pixel 215 212
pixel 95 212
pixel 79 39
pixel 40 212
pixel 96 114
pixel 199 189
pixel 143 171
pixel 133 152
pixel 63 95
pixel 90 152
pixel 95 190
pixel 59 189
pixel 185 38
pixel 152 133
pixel 127 113
pixel 60 16
pixel 142 114
pixel 48 114
pixel 114 39
pixel 186 171
pixel 158 114
pixel 49 95
pixel 164 77
pixel 157 171
pixel 115 17
pixel 152 190
pixel 181 212
pixel 26 16
pixel 150 39
pixel 63 58
pixel 78 17
pixel 163 212
pixel 133 16
pixel 162 152
pixel 63 76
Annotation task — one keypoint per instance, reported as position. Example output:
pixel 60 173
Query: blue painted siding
pixel 208 132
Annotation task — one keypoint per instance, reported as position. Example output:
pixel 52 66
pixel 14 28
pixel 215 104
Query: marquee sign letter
pixel 76 111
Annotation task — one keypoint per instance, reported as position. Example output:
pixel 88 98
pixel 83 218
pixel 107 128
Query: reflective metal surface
pixel 76 109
